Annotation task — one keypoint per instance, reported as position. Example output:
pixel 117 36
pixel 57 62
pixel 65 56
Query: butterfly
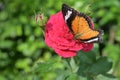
pixel 81 25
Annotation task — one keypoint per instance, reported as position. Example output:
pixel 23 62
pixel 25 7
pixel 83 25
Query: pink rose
pixel 59 37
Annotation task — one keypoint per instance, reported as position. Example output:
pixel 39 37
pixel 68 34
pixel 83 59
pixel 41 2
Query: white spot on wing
pixel 92 40
pixel 68 15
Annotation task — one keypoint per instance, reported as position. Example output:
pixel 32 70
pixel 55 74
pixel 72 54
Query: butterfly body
pixel 81 25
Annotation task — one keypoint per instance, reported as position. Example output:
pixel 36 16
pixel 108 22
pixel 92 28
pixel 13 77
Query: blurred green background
pixel 22 41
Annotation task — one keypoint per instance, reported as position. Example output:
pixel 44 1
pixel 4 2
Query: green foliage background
pixel 23 53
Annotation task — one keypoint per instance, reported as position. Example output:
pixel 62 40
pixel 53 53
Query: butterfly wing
pixel 83 31
pixel 67 12
pixel 80 25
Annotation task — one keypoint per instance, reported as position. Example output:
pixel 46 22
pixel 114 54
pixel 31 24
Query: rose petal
pixel 65 53
pixel 59 37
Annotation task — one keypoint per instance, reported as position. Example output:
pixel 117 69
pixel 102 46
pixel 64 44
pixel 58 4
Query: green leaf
pixel 18 30
pixel 101 77
pixel 66 63
pixel 23 19
pixel 43 67
pixel 73 65
pixel 83 69
pixel 3 15
pixel 72 77
pixel 6 44
pixel 88 58
pixel 113 52
pixel 62 74
pixel 82 78
pixel 102 65
pixel 23 64
pixel 2 77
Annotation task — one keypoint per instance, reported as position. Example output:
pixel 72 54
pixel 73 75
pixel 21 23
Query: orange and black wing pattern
pixel 80 25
